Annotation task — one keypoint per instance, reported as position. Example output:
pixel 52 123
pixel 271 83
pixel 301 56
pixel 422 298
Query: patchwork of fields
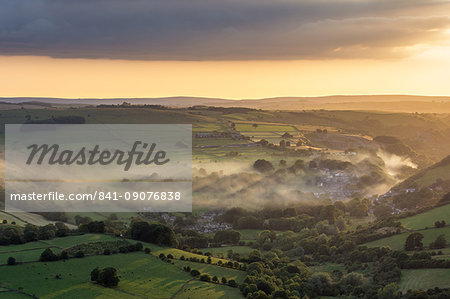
pixel 141 275
pixel 397 242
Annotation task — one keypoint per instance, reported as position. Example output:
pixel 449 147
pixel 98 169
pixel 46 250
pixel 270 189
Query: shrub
pixel 205 277
pixel 48 256
pixel 232 283
pixel 11 261
pixel 94 274
pixel 79 254
pixel 106 252
pixel 64 255
pixel 195 273
pixel 138 246
pixel 147 250
pixel 106 277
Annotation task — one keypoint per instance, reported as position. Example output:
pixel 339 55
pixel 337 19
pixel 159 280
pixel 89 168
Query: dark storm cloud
pixel 219 29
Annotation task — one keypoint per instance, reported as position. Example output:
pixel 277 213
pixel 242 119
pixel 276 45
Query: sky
pixel 223 48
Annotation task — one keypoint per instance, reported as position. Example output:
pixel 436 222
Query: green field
pixel 141 276
pixel 397 242
pixel 427 218
pixel 424 279
pixel 10 218
pixel 177 253
pixel 31 251
pixel 241 250
pixel 199 290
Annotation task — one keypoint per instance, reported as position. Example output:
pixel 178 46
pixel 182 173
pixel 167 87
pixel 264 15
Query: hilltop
pixel 388 103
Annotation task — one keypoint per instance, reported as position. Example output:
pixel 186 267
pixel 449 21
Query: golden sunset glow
pixel 426 73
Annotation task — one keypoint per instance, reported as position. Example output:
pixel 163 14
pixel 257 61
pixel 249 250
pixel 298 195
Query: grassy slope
pixel 141 275
pixel 430 175
pixel 242 250
pixel 177 253
pixel 398 241
pixel 198 290
pixel 10 218
pixel 424 279
pixel 31 251
pixel 427 218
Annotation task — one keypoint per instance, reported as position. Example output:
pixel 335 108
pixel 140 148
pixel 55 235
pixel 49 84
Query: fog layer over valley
pixel 322 178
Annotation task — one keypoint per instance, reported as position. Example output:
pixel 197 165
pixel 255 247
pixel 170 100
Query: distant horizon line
pixel 224 98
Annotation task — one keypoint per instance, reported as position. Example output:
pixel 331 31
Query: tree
pixel 30 233
pixel 262 165
pixel 195 273
pixel 48 256
pixel 232 283
pixel 156 233
pixel 11 261
pixel 224 280
pixel 107 277
pixel 227 237
pixel 95 274
pixel 61 229
pixel 414 241
pixel 382 211
pixel 321 284
pixel 439 243
pixel 64 255
pixel 97 227
pixel 390 291
pixel 439 224
pixel 205 277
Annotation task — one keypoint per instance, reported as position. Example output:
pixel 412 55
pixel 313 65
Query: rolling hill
pixel 391 103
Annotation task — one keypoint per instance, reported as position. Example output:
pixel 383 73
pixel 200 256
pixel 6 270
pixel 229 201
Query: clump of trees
pixel 414 242
pixel 11 234
pixel 262 165
pixel 107 277
pixel 439 243
pixel 227 237
pixel 440 224
pixel 155 233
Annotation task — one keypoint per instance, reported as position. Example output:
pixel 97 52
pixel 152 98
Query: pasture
pixel 31 251
pixel 199 290
pixel 241 250
pixel 427 218
pixel 141 275
pixel 424 279
pixel 397 242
